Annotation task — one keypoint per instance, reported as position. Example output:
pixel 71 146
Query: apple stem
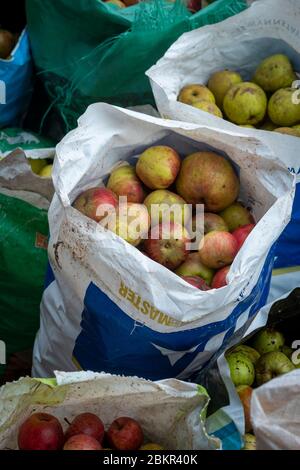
pixel 67 421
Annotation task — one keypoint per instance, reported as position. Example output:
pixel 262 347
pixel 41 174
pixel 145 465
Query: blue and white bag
pixel 107 307
pixel 16 83
pixel 239 43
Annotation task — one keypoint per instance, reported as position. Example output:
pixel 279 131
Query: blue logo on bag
pixel 111 341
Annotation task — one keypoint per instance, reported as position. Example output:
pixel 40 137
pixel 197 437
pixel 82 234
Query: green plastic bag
pixel 24 200
pixel 32 143
pixel 23 259
pixel 88 51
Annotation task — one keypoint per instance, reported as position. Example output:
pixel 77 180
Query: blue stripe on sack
pixel 111 341
pixel 288 245
pixel 230 437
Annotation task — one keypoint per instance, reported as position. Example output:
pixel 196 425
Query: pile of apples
pixel 43 431
pixel 268 102
pixel 161 177
pixel 267 356
pixel 41 167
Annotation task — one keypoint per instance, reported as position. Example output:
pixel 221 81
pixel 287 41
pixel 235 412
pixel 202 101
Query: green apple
pixel 281 108
pixel 245 103
pixel 271 365
pixel 192 266
pixel 220 82
pixel 268 340
pixel 236 216
pixel 190 94
pixel 241 369
pixel 249 442
pixel 208 107
pixel 247 350
pixel 274 72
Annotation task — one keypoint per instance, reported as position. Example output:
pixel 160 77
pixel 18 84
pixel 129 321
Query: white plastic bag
pixel 94 307
pixel 171 413
pixel 239 43
pixel 225 415
pixel 275 413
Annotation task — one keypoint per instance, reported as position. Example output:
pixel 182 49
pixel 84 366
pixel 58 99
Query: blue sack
pixel 16 84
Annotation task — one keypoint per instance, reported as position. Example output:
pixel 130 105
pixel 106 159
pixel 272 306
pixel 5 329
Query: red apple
pixel 96 203
pixel 219 279
pixel 125 434
pixel 167 244
pixel 41 431
pixel 217 249
pixel 196 281
pixel 82 442
pixel 194 5
pixel 86 423
pixel 245 394
pixel 241 233
pixel 124 182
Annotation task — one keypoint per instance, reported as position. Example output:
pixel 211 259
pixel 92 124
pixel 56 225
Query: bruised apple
pixel 196 281
pixel 268 340
pixel 124 182
pixel 219 279
pixel 241 233
pixel 86 423
pixel 96 203
pixel 167 244
pixel 217 249
pixel 242 370
pixel 41 431
pixel 125 434
pixel 158 166
pixel 247 350
pixel 220 82
pixel 208 178
pixel 192 266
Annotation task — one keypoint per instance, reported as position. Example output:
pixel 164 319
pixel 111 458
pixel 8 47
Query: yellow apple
pixel 37 164
pixel 46 172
